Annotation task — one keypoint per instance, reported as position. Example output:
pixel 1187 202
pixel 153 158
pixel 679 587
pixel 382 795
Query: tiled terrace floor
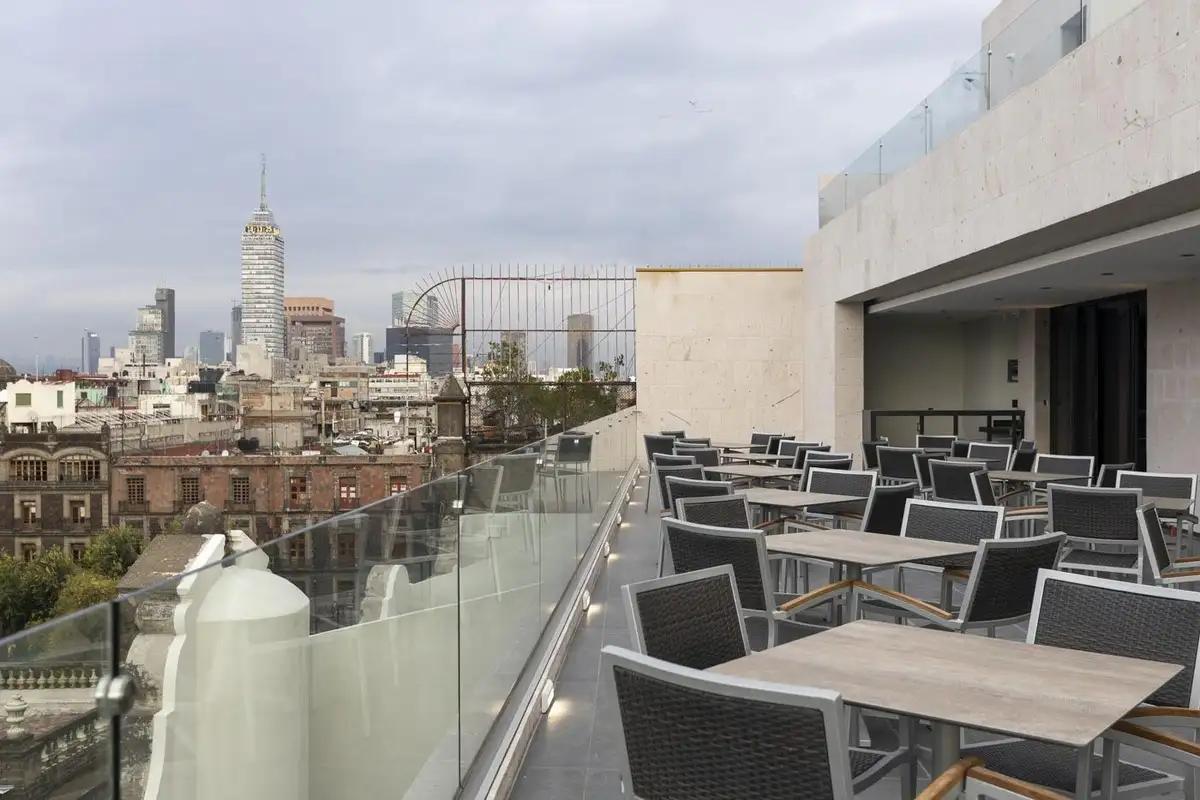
pixel 575 753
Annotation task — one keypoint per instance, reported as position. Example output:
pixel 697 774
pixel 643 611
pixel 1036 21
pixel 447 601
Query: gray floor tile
pixel 541 783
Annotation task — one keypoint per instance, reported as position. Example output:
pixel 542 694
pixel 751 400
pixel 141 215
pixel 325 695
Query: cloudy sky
pixel 404 137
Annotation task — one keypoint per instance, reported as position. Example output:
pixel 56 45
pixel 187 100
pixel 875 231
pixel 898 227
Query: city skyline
pixel 386 174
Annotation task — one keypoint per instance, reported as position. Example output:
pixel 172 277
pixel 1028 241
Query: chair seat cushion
pixel 1094 558
pixel 1052 765
pixel 950 562
pixel 861 761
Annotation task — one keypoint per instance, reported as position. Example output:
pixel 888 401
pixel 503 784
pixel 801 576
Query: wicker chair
pixel 1095 518
pixel 870 452
pixel 1000 587
pixel 693 734
pixel 704 456
pixel 931 442
pixel 719 511
pixel 997 456
pixel 839 481
pixel 952 480
pixel 1066 465
pixel 985 495
pixel 518 481
pixel 1165 484
pixel 693 471
pixel 969 779
pixel 759 441
pixel 1123 619
pixel 886 506
pixel 692 619
pixel 773 443
pixel 1164 570
pixel 704 441
pixel 674 434
pixel 924 478
pixel 797 451
pixel 960 448
pixel 659 461
pixel 896 464
pixel 679 487
pixel 1023 459
pixel 1106 478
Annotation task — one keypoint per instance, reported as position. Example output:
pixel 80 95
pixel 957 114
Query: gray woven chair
pixel 1080 466
pixel 704 456
pixel 896 464
pixel 1117 618
pixel 951 480
pixel 924 478
pixel 960 448
pixel 886 506
pixel 573 461
pixel 691 619
pixel 693 734
pixel 693 546
pixel 759 441
pixel 674 434
pixel 796 449
pixel 931 442
pixel 518 481
pixel 482 490
pixel 1000 587
pixel 1023 459
pixel 679 488
pixel 870 452
pixel 773 443
pixel 704 441
pixel 722 512
pixel 985 495
pixel 997 456
pixel 1101 527
pixel 692 471
pixel 1163 570
pixel 841 464
pixel 655 445
pixel 819 456
pixel 1106 478
pixel 659 461
pixel 839 481
pixel 1177 486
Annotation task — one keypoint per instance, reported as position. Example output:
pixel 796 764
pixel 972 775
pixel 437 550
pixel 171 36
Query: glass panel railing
pixel 55 742
pixel 1020 54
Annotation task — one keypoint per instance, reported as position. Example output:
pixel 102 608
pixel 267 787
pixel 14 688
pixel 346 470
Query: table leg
pixel 1110 768
pixel 853 572
pixel 945 746
pixel 1083 773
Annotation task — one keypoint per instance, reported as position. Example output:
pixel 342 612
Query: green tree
pixel 84 589
pixel 112 552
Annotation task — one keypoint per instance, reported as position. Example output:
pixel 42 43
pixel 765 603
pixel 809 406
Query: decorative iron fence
pixel 516 412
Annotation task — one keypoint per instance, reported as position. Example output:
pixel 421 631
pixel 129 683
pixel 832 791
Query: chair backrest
pixel 960 448
pixel 839 481
pixel 657 444
pixel 951 480
pixel 921 460
pixel 679 488
pixel 674 434
pixel 773 442
pixel 1004 577
pixel 951 522
pixel 520 472
pixel 720 511
pixel 1154 542
pixel 870 456
pixel 1066 465
pixel 574 449
pixel 694 546
pixel 695 734
pixel 691 471
pixel 799 451
pixel 759 441
pixel 703 441
pixel 1106 478
pixel 1093 514
pixel 1022 460
pixel 998 456
pixel 815 456
pixel 691 619
pixel 684 444
pixel 1119 618
pixel 483 487
pixel 1027 446
pixel 931 442
pixel 705 456
pixel 896 463
pixel 985 495
pixel 673 460
pixel 885 508
pixel 1159 484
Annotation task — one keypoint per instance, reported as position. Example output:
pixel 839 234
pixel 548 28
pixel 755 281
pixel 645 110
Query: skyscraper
pixel 212 347
pixel 262 278
pixel 579 341
pixel 89 353
pixel 401 302
pixel 146 340
pixel 363 347
pixel 426 314
pixel 165 300
pixel 235 332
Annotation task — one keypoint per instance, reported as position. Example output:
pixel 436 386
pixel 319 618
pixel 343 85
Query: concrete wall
pixel 1173 376
pixel 719 351
pixel 1102 13
pixel 1116 117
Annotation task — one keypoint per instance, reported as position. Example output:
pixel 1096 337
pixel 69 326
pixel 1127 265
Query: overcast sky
pixel 404 137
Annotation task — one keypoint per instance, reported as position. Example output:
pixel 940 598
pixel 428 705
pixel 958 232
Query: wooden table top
pixel 731 445
pixel 786 498
pixel 1066 697
pixel 1025 476
pixel 865 549
pixel 755 471
pixel 1175 505
pixel 756 457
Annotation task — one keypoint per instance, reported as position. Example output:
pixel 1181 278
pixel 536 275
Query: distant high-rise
pixel 212 347
pixel 262 278
pixel 425 315
pixel 165 300
pixel 312 327
pixel 401 303
pixel 580 328
pixel 146 340
pixel 235 332
pixel 364 350
pixel 89 353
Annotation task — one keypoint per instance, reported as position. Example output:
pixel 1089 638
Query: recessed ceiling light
pixel 997 299
pixel 1106 274
pixel 1045 288
pixel 1187 255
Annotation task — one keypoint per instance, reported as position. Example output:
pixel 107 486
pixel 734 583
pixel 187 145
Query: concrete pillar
pixel 1033 374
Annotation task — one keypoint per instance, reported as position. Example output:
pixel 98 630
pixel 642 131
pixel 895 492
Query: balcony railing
pixel 398 667
pixel 1017 56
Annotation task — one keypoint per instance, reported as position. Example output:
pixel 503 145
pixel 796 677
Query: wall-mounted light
pixel 546 696
pixel 585 602
pixel 607 549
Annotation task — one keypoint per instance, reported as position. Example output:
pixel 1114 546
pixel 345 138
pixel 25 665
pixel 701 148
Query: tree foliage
pixel 112 552
pixel 84 589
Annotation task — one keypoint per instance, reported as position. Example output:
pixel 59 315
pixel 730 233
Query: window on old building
pixel 189 490
pixel 78 511
pixel 347 492
pixel 78 469
pixel 240 489
pixel 29 551
pixel 23 400
pixel 298 490
pixel 29 511
pixel 28 469
pixel 77 549
pixel 135 489
pixel 399 484
pixel 297 548
pixel 345 547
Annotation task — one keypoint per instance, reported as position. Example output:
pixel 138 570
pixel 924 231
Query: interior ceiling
pixel 1119 264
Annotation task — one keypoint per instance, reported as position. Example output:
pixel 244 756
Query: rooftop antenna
pixel 262 184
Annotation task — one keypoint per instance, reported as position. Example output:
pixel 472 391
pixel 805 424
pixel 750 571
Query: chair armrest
pixel 816 596
pixel 950 781
pixel 957 574
pixel 1154 741
pixel 1187 559
pixel 795 525
pixel 1010 784
pixel 1172 715
pixel 904 601
pixel 1172 572
pixel 1025 510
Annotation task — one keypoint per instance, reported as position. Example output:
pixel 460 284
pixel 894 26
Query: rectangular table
pixel 786 498
pixel 1025 476
pixel 1170 505
pixel 858 549
pixel 1065 697
pixel 755 471
pixel 755 458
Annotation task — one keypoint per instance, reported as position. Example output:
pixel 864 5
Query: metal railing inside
pixel 1017 56
pixel 903 426
pixel 367 656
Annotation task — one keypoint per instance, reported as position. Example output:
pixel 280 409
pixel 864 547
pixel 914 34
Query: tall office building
pixel 425 315
pixel 165 300
pixel 212 347
pixel 312 327
pixel 262 278
pixel 400 306
pixel 580 329
pixel 364 345
pixel 235 332
pixel 146 340
pixel 89 353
